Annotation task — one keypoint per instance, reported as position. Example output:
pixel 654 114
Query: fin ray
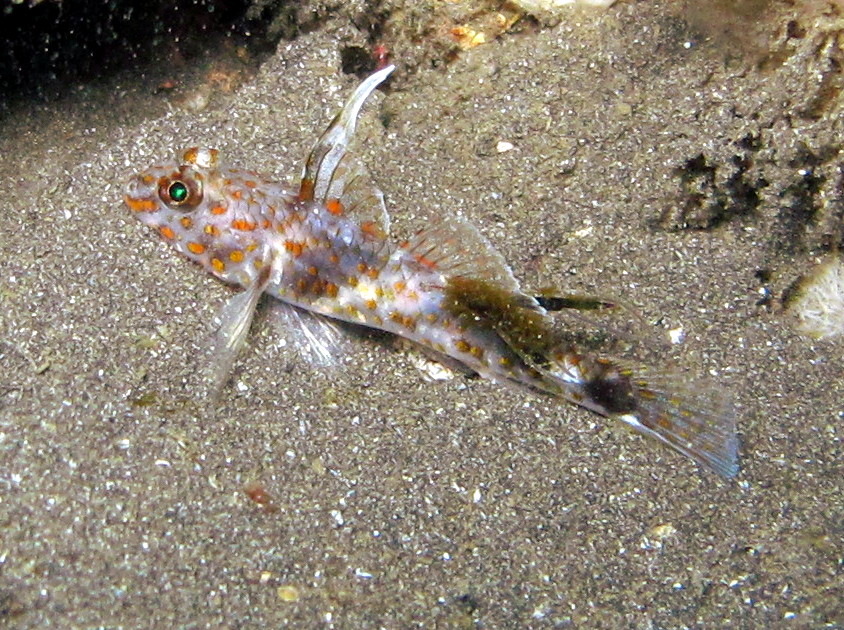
pixel 317 338
pixel 694 418
pixel 456 248
pixel 333 174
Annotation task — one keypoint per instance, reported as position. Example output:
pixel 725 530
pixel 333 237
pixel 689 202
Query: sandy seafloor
pixel 398 502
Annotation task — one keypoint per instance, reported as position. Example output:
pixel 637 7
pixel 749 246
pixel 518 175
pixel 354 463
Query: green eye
pixel 178 192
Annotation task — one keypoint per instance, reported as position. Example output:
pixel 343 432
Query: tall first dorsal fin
pixel 333 177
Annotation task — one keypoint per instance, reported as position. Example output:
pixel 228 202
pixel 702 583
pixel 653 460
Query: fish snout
pixel 139 195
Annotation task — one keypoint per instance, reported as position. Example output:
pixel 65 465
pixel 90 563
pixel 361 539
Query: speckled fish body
pixel 326 249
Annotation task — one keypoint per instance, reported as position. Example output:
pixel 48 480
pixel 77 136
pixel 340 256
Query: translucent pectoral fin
pixel 315 337
pixel 232 327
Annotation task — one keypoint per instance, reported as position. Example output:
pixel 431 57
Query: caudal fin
pixel 695 419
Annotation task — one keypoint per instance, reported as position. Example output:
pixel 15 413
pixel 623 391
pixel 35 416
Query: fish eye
pixel 178 192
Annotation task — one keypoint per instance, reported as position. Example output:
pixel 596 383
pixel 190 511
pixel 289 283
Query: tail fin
pixel 694 419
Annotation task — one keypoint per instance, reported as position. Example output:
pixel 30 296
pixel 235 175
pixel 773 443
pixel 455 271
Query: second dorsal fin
pixel 333 177
pixel 454 247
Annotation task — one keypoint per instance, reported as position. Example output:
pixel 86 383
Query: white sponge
pixel 818 301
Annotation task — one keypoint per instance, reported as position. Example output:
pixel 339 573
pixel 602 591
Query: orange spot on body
pixel 334 206
pixel 399 286
pixel 294 247
pixel 370 228
pixel 196 248
pixel 148 179
pixel 237 194
pixel 236 256
pixel 213 230
pixel 244 225
pixel 266 224
pixel 331 289
pixel 249 183
pixel 462 345
pixel 372 273
pixel 218 210
pixel 218 264
pixel 334 259
pixel 186 222
pixel 167 232
pixel 140 205
pixel 361 268
pixel 313 270
pixel 371 305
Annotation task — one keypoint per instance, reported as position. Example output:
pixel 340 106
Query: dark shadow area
pixel 49 48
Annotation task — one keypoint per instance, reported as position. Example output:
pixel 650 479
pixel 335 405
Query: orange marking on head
pixel 140 205
pixel 372 273
pixel 237 194
pixel 244 225
pixel 251 247
pixel 313 270
pixel 190 155
pixel 213 230
pixel 294 247
pixel 236 256
pixel 334 206
pixel 218 210
pixel 218 264
pixel 186 222
pixel 399 286
pixel 334 259
pixel 167 232
pixel 404 244
pixel 361 268
pixel 148 179
pixel 306 190
pixel 196 248
pixel 249 183
pixel 266 223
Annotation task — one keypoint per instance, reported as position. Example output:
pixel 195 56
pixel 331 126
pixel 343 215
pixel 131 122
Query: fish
pixel 325 251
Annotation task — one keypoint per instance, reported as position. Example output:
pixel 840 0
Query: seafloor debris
pixel 817 300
